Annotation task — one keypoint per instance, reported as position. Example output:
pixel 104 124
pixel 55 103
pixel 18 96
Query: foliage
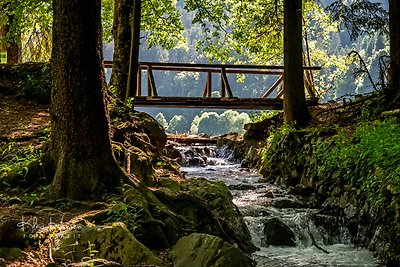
pixel 161 120
pixel 15 161
pixel 178 124
pixel 263 115
pixel 369 159
pixel 30 26
pixel 37 87
pixel 360 16
pixel 214 124
pixel 123 211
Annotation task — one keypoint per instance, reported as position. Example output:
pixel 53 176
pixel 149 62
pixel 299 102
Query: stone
pixel 285 203
pixel 112 242
pixel 242 186
pixel 277 233
pixel 203 250
pixel 207 207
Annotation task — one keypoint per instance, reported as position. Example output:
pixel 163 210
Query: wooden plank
pixel 214 103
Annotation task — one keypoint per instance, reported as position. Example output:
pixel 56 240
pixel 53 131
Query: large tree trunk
pixel 394 26
pixel 12 48
pixel 295 106
pixel 81 146
pixel 122 43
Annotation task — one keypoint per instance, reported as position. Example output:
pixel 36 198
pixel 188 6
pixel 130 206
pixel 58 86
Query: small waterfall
pixel 287 232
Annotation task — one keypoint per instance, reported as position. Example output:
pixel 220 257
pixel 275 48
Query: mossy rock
pixel 112 242
pixel 202 250
pixel 207 207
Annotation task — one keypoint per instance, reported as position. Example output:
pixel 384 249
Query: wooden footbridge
pixel 271 99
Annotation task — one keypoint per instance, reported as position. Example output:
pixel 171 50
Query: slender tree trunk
pixel 81 147
pixel 122 33
pixel 134 51
pixel 295 106
pixel 394 26
pixel 13 48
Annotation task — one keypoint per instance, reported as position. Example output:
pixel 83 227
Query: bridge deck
pixel 213 103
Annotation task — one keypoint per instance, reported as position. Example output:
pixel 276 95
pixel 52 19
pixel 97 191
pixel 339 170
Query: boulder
pixel 277 233
pixel 285 203
pixel 207 207
pixel 112 242
pixel 202 250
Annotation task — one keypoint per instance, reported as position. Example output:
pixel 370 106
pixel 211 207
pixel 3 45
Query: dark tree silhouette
pixel 295 106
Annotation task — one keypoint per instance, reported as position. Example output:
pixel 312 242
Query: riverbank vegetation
pixel 349 162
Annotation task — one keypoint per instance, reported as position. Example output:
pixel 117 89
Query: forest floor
pixel 20 119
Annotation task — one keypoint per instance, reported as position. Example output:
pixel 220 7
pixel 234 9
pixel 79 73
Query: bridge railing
pixel 222 70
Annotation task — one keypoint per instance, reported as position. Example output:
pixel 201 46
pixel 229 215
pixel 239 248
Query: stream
pixel 285 230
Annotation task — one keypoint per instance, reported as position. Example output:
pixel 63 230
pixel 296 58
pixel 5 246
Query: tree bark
pixel 295 106
pixel 122 43
pixel 81 147
pixel 394 72
pixel 134 51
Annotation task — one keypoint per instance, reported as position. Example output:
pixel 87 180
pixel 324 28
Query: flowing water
pixel 317 239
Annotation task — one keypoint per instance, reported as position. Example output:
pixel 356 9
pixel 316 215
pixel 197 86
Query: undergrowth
pixel 37 86
pixel 122 210
pixel 15 161
pixel 368 158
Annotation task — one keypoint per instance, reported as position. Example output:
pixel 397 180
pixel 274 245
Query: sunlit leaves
pixel 30 24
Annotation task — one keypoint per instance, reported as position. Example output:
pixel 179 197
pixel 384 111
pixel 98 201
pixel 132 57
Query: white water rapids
pixel 255 201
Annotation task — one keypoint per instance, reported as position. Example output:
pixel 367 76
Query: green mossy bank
pixel 353 169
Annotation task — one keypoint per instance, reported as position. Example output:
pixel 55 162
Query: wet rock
pixel 285 203
pixel 112 242
pixel 173 153
pixel 202 250
pixel 277 233
pixel 255 211
pixel 195 161
pixel 331 227
pixel 245 164
pixel 189 153
pixel 241 186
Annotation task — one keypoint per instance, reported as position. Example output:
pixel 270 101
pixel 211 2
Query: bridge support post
pixel 151 85
pixel 207 88
pixel 225 87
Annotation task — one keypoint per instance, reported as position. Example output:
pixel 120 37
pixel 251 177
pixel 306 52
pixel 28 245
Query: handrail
pixel 201 66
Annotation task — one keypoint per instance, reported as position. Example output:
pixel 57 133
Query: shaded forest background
pixel 340 78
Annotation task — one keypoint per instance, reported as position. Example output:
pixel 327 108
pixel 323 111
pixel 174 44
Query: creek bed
pixel 310 238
